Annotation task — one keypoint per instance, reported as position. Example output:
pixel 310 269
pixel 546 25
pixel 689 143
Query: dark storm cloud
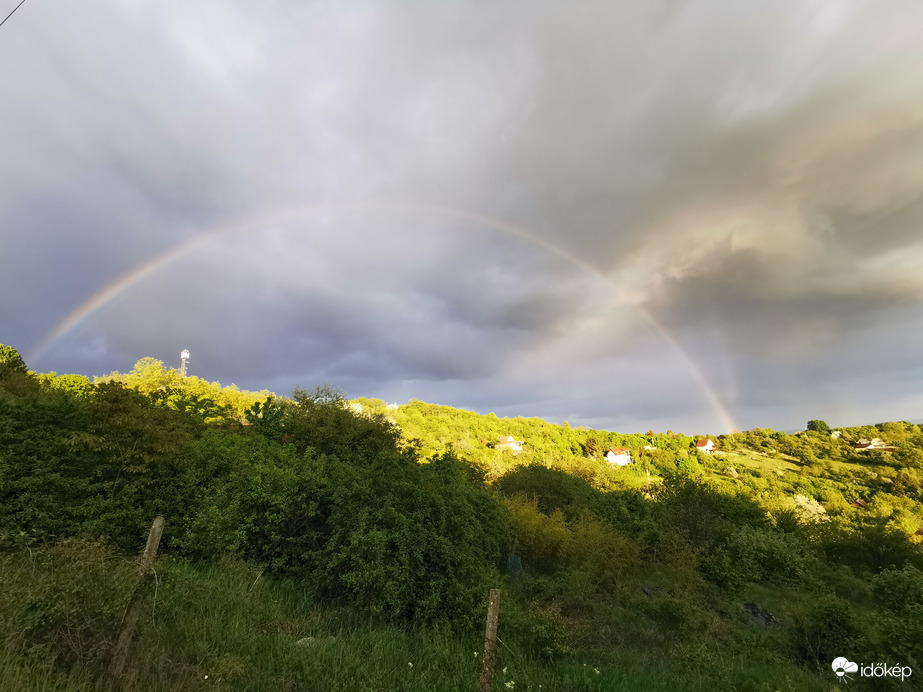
pixel 467 202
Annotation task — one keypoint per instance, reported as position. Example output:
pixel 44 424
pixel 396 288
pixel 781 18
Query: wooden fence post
pixel 132 614
pixel 490 642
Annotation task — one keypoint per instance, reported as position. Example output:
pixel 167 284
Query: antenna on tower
pixel 185 356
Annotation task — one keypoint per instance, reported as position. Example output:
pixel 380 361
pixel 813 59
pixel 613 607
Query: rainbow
pixel 138 274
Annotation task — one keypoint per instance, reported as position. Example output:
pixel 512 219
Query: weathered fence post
pixel 490 642
pixel 132 614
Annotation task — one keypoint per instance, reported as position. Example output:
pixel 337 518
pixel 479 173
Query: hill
pixel 315 542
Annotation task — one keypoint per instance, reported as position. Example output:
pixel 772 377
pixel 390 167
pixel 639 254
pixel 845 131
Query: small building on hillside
pixel 619 455
pixel 508 442
pixel 876 444
pixel 705 445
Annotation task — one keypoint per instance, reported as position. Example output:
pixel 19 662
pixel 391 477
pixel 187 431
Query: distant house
pixel 876 444
pixel 619 455
pixel 705 445
pixel 508 442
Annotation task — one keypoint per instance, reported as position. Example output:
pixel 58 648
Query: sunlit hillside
pixel 320 542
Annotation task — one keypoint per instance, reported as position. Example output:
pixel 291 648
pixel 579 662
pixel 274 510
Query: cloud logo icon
pixel 841 666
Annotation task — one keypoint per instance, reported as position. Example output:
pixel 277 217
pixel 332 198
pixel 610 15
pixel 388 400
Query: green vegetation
pixel 314 542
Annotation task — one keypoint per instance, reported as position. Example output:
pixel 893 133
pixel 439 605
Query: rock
pixel 732 472
pixel 759 615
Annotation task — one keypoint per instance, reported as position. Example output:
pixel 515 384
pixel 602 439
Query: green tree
pixel 10 362
pixel 818 426
pixel 594 448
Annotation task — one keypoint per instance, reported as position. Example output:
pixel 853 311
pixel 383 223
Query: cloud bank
pixel 686 215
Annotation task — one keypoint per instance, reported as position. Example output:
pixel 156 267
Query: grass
pixel 226 626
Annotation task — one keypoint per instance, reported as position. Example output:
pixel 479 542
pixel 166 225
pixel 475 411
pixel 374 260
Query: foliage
pixel 389 535
pixel 818 426
pixel 871 546
pixel 825 631
pixel 762 555
pixel 899 589
pixel 10 362
pixel 407 514
pixel 704 515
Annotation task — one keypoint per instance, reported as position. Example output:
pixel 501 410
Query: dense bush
pixel 395 537
pixel 551 489
pixel 899 589
pixel 869 547
pixel 704 514
pixel 760 555
pixel 312 490
pixel 825 631
pixel 102 465
pixel 552 541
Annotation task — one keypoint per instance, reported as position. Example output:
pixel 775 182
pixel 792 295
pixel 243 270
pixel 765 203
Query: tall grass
pixel 227 626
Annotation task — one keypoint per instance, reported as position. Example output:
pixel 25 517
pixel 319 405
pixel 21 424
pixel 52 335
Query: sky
pixel 697 216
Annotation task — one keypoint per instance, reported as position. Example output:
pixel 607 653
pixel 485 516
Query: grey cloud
pixel 745 173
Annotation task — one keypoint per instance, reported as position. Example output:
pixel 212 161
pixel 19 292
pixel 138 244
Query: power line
pixel 11 13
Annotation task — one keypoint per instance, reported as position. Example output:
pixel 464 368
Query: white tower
pixel 185 356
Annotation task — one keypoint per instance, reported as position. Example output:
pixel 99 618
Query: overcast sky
pixel 628 215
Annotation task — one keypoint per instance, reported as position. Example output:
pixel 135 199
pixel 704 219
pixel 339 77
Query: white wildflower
pixel 410 664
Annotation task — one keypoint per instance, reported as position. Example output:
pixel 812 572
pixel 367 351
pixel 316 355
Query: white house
pixel 705 445
pixel 619 455
pixel 508 442
pixel 875 444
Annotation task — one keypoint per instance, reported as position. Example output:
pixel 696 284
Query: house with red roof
pixel 705 445
pixel 619 455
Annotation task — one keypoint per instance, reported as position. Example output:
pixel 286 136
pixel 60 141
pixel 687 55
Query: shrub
pixel 703 514
pixel 540 538
pixel 870 548
pixel 767 556
pixel 551 489
pixel 826 630
pixel 551 542
pixel 899 589
pixel 902 636
pixel 399 539
pixel 101 466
